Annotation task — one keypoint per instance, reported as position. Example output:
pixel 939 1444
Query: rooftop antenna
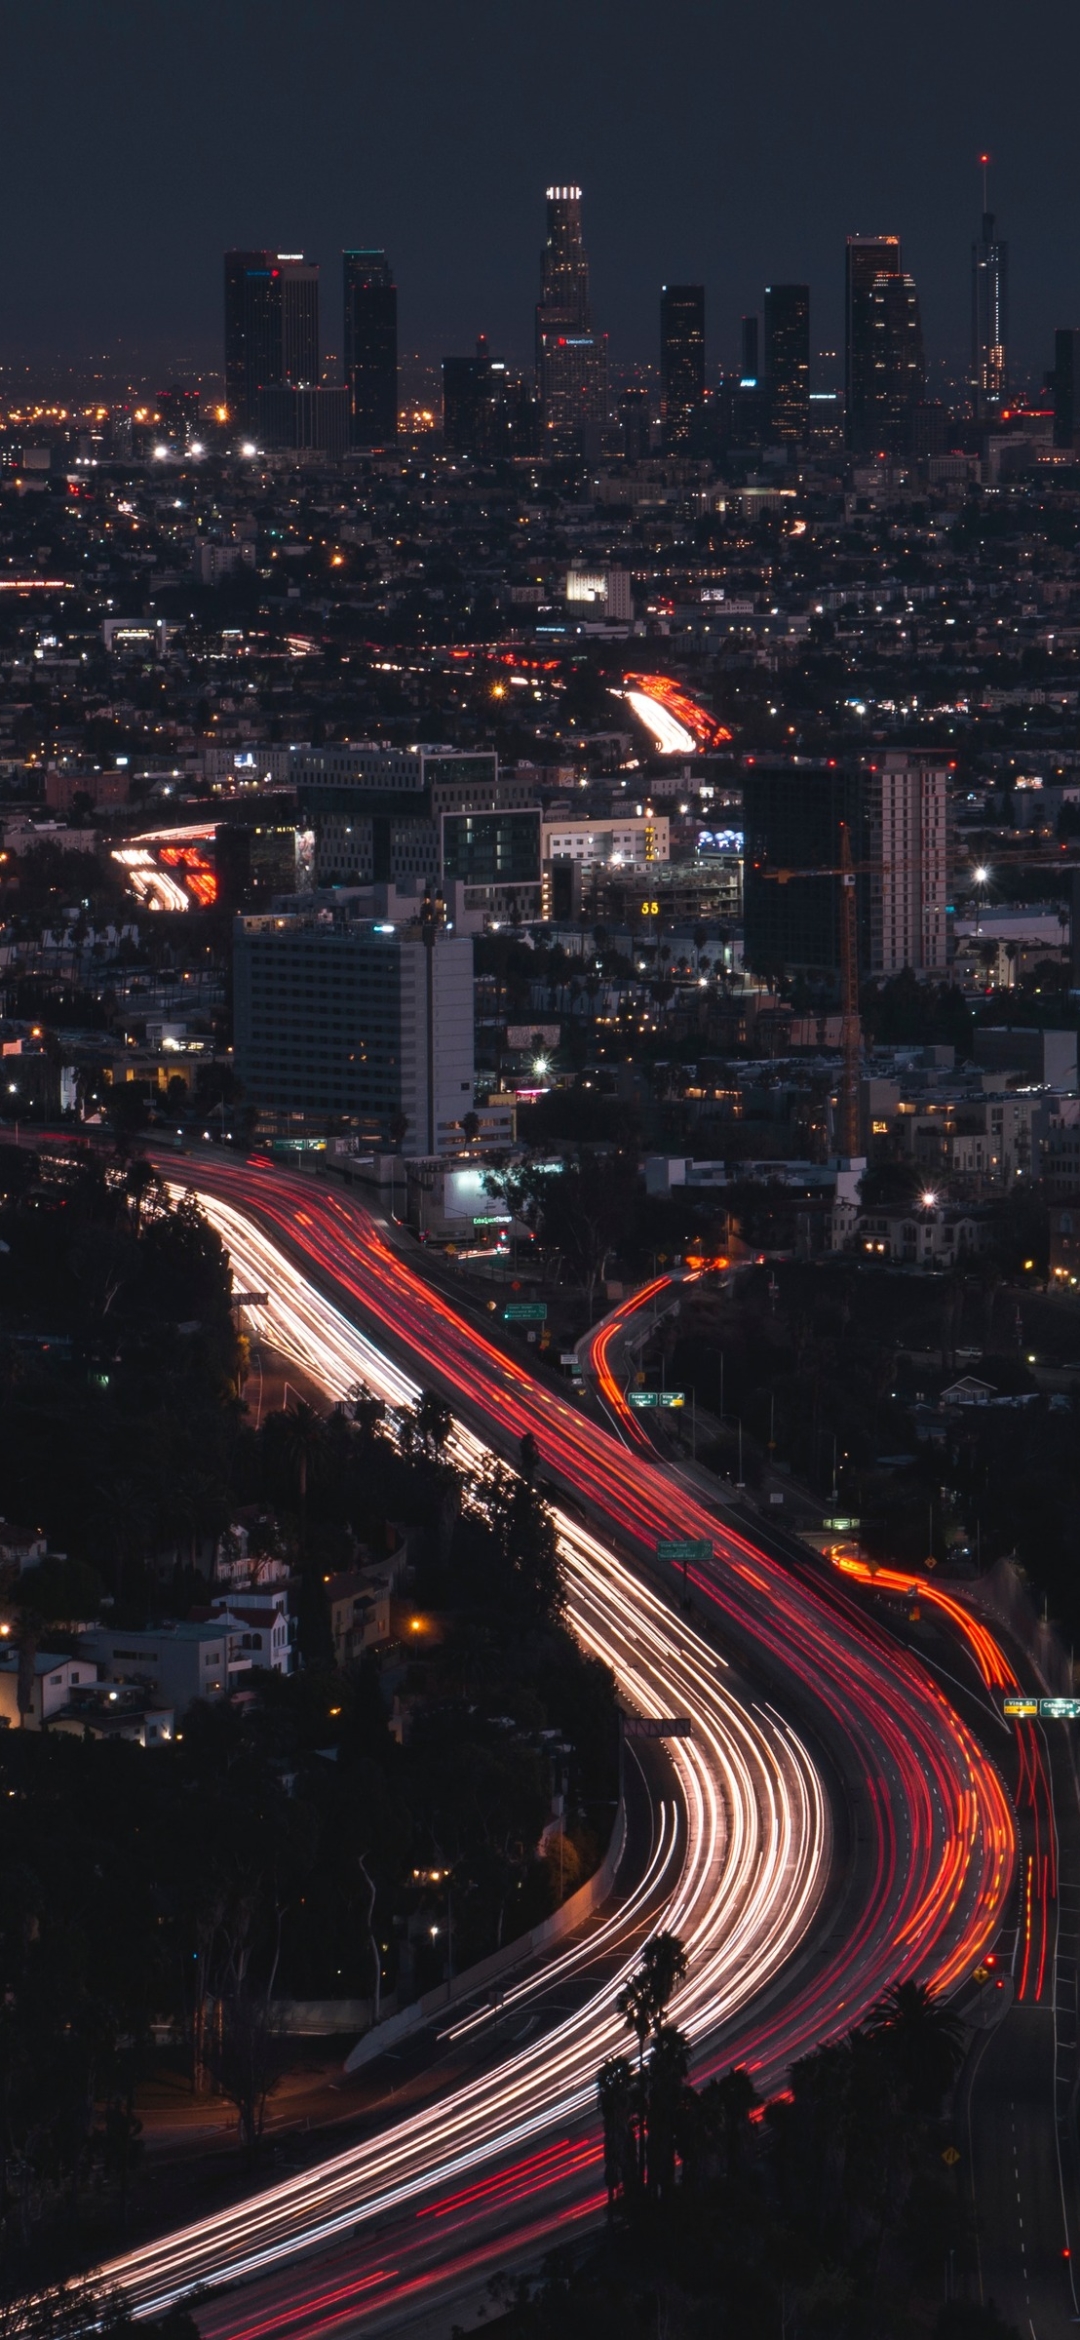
pixel 984 166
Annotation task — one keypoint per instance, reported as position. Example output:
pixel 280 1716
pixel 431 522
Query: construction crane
pixel 851 1023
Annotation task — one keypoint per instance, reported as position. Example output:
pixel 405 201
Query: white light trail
pixel 672 737
pixel 744 1876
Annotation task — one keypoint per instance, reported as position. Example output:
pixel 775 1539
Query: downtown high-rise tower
pixel 571 360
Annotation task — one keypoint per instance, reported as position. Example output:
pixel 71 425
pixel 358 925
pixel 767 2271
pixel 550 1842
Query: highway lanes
pixel 936 1857
pixel 745 1874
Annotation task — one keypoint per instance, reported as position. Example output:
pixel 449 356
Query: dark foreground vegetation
pixel 365 1826
pixel 837 2211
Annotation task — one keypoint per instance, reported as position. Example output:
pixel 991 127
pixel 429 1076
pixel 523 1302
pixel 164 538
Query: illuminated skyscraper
pixel 571 361
pixel 371 348
pixel 868 257
pixel 989 316
pixel 682 361
pixel 271 328
pixel 787 361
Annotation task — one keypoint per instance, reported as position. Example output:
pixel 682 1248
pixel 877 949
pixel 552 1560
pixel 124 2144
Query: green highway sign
pixel 525 1312
pixel 657 1397
pixel 684 1553
pixel 1060 1709
pixel 1020 1709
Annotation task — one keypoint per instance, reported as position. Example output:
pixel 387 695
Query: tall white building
pixel 909 828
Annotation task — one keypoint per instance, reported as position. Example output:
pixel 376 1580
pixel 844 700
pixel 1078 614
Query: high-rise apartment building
pixel 571 360
pixel 909 839
pixel 899 366
pixel 682 362
pixel 368 1023
pixel 370 348
pixel 867 258
pixel 989 316
pixel 271 328
pixel 787 361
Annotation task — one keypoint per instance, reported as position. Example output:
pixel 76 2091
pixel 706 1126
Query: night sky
pixel 715 141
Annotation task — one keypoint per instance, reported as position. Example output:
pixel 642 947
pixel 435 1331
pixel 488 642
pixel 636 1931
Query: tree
pixel 922 2041
pixel 303 1438
pixel 617 2091
pixel 580 1211
pixel 434 1420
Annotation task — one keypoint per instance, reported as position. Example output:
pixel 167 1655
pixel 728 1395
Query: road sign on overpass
pixel 1059 1709
pixel 687 1555
pixel 525 1312
pixel 1019 1709
pixel 657 1397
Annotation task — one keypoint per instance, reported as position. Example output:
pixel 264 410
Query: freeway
pixel 1016 2098
pixel 929 1868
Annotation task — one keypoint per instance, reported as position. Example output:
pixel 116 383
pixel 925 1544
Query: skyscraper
pixel 682 361
pixel 868 257
pixel 252 335
pixel 371 348
pixel 899 367
pixel 298 280
pixel 467 401
pixel 271 328
pixel 989 316
pixel 571 361
pixel 787 361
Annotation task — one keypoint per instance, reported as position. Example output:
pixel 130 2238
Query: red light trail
pixel 925 1896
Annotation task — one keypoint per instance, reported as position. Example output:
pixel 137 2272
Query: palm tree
pixel 433 1420
pixel 303 1438
pixel 922 2042
pixel 669 2063
pixel 618 2096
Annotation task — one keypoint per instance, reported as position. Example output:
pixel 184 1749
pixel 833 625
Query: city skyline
pixel 772 175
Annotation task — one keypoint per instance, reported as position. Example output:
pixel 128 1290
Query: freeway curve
pixel 926 1881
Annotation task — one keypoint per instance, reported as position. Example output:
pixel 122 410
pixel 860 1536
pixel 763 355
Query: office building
pixel 468 394
pixel 989 317
pixel 909 830
pixel 867 259
pixel 271 328
pixel 899 366
pixel 357 1021
pixel 792 824
pixel 571 360
pixel 298 280
pixel 1065 382
pixel 749 352
pixel 308 421
pixel 605 595
pixel 682 363
pixel 787 362
pixel 252 332
pixel 373 812
pixel 635 424
pixel 370 349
